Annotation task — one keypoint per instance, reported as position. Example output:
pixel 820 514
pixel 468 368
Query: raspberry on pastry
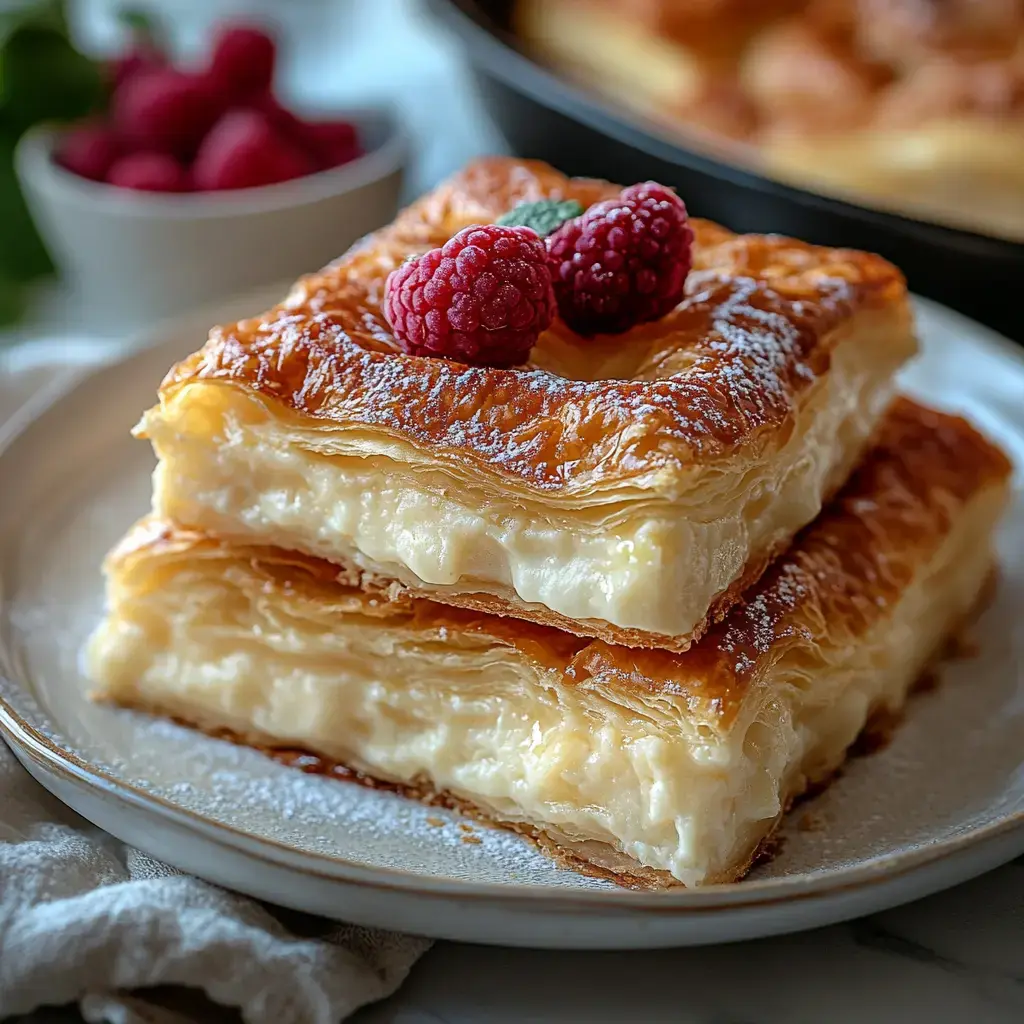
pixel 623 262
pixel 629 488
pixel 483 298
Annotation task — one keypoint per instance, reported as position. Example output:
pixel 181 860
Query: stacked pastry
pixel 630 599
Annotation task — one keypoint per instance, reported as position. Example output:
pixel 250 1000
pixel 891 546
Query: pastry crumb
pixel 471 839
pixel 809 821
pixel 769 849
pixel 465 826
pixel 436 822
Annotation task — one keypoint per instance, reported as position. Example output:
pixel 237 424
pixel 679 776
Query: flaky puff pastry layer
pixel 656 767
pixel 625 488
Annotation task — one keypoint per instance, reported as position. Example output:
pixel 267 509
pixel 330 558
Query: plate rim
pixel 25 738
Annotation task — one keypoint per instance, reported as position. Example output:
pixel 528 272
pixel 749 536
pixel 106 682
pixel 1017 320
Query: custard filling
pixel 634 556
pixel 622 774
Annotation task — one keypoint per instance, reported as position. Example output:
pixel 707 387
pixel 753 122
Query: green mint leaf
pixel 544 216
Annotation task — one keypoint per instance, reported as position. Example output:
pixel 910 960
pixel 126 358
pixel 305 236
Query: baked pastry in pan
pixel 622 487
pixel 651 766
pixel 909 105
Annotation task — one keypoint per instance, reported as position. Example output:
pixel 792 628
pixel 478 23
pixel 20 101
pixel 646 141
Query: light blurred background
pixel 890 125
pixel 338 52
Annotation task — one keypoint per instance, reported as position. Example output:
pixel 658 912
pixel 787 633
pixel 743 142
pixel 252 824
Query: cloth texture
pixel 86 919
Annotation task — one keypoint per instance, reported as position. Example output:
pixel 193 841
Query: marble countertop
pixel 955 957
pixel 951 959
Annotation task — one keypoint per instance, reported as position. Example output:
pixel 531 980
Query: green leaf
pixel 23 257
pixel 544 216
pixel 45 15
pixel 13 300
pixel 44 78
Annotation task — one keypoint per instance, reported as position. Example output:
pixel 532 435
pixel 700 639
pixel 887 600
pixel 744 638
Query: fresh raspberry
pixel 623 262
pixel 149 172
pixel 243 62
pixel 164 110
pixel 483 298
pixel 242 150
pixel 333 142
pixel 329 143
pixel 281 119
pixel 141 58
pixel 88 150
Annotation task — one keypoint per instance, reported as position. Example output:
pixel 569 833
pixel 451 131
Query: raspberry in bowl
pixel 196 183
pixel 221 122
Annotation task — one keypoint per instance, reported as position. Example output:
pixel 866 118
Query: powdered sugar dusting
pixel 750 343
pixel 549 428
pixel 754 628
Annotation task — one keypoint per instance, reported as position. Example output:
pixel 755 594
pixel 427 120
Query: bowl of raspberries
pixel 192 183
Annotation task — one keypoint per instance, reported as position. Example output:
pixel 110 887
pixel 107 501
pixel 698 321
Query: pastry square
pixel 622 487
pixel 652 767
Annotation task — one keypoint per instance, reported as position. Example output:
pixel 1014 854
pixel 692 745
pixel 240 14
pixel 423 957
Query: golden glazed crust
pixel 840 576
pixel 846 569
pixel 723 373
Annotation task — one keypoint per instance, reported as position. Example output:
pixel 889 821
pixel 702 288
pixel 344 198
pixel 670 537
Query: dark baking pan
pixel 543 116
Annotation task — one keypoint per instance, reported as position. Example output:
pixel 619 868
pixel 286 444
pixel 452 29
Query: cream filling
pixel 606 770
pixel 652 564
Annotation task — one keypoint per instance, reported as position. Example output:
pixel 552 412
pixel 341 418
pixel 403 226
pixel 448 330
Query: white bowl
pixel 133 256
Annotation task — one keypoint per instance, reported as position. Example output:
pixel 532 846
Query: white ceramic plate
pixel 944 802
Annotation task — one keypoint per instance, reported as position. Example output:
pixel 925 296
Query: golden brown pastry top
pixel 726 367
pixel 842 574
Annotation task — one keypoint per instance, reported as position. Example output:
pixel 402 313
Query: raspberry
pixel 329 143
pixel 141 58
pixel 280 118
pixel 483 298
pixel 88 150
pixel 242 150
pixel 164 110
pixel 149 172
pixel 333 142
pixel 243 62
pixel 623 262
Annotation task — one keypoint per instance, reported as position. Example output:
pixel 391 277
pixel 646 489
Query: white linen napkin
pixel 85 918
